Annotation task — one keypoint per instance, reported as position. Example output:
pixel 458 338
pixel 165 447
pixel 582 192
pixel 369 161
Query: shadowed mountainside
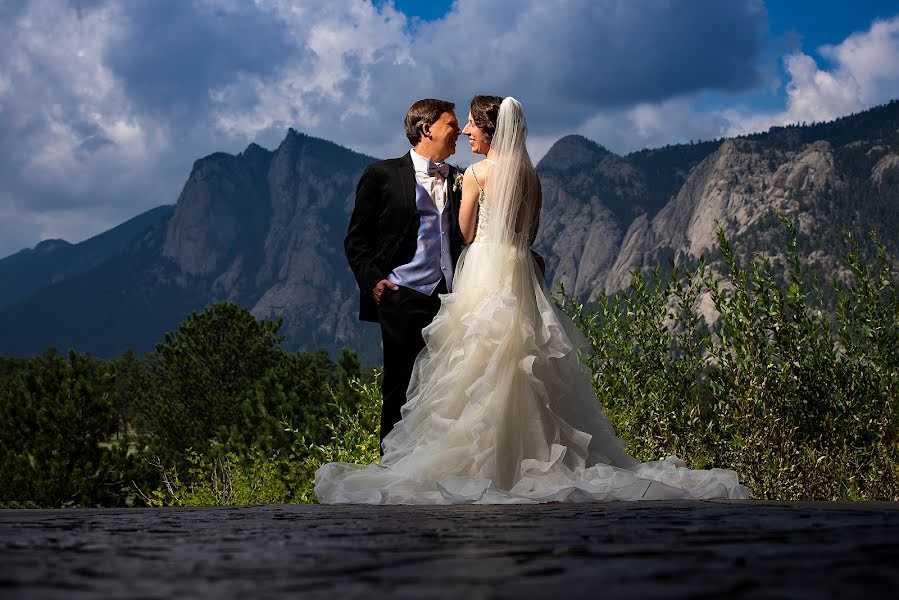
pixel 52 261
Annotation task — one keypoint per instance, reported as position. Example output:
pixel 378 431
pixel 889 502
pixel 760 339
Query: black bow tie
pixel 438 169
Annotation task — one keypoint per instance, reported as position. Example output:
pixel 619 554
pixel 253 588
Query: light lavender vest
pixel 433 259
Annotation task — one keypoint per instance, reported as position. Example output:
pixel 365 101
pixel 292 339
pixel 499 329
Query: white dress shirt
pixel 435 186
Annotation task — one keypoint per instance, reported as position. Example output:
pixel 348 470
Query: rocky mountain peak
pixel 51 245
pixel 571 152
pixel 255 151
pixel 293 138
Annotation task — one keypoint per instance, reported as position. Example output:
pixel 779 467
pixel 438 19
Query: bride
pixel 499 408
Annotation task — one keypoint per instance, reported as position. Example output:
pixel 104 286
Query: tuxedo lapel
pixel 407 179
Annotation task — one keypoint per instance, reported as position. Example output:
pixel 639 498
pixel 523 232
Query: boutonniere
pixel 457 179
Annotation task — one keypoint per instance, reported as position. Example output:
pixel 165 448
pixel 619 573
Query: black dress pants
pixel 403 314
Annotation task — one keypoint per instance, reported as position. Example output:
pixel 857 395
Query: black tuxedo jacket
pixel 383 231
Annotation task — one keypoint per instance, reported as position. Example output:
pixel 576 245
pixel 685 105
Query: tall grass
pixel 288 477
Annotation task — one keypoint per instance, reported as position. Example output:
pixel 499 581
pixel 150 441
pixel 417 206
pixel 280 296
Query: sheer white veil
pixel 514 194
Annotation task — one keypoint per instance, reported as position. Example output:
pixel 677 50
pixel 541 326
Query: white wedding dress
pixel 500 409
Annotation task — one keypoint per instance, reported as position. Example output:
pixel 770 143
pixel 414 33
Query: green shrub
pixel 802 404
pixel 354 437
pixel 225 480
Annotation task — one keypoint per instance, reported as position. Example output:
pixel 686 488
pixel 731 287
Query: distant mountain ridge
pixel 52 261
pixel 265 228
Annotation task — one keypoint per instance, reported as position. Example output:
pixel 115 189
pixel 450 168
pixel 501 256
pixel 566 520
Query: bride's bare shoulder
pixel 482 169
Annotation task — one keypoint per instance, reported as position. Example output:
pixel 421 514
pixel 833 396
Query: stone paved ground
pixel 640 550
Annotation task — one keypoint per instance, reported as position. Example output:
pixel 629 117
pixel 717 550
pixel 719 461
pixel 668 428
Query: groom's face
pixel 444 133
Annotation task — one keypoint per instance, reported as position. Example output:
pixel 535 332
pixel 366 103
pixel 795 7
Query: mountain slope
pixel 825 178
pixel 51 261
pixel 591 197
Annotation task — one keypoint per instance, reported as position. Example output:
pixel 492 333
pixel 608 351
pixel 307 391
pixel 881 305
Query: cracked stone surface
pixel 601 550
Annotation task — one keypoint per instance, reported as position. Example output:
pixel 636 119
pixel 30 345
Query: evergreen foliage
pixel 61 443
pixel 201 374
pixel 218 392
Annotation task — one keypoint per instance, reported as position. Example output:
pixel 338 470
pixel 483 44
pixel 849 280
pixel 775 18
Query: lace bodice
pixel 480 233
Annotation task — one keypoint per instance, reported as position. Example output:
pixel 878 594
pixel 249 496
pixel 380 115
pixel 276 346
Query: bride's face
pixel 476 137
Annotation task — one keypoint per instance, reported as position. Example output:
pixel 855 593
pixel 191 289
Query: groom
pixel 403 243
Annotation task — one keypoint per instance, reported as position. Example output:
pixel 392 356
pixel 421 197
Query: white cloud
pixel 650 125
pixel 71 141
pixel 341 43
pixel 364 67
pixel 864 72
pixel 63 104
pixel 871 60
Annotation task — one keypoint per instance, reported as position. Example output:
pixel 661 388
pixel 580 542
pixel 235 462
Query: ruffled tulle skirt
pixel 500 410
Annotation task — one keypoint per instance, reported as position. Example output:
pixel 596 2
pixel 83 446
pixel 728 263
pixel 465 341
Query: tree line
pixel 794 384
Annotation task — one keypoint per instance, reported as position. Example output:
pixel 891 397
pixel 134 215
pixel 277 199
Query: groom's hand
pixel 379 289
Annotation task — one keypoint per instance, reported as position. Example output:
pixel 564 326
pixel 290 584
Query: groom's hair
pixel 424 113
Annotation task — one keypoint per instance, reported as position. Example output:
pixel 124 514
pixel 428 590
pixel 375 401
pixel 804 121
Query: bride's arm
pixel 539 261
pixel 535 222
pixel 468 212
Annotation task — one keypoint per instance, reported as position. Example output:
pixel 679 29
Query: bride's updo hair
pixel 484 113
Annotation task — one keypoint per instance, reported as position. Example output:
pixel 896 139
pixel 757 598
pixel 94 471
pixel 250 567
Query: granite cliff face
pixel 589 197
pixel 303 275
pixel 611 215
pixel 222 204
pixel 593 199
pixel 265 229
pixel 735 187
